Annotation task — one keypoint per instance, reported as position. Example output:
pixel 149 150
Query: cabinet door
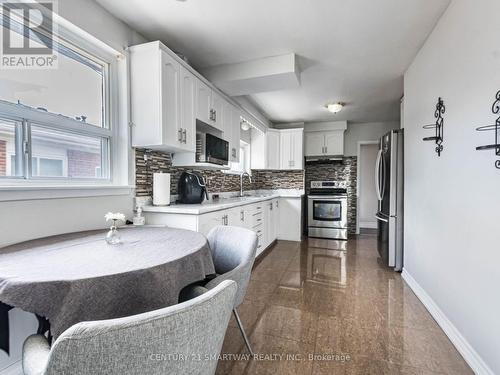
pixel 297 152
pixel 234 147
pixel 236 217
pixel 227 121
pixel 290 222
pixel 204 102
pixel 314 144
pixel 170 100
pixel 218 108
pixel 208 221
pixel 273 149
pixel 188 115
pixel 276 218
pixel 286 150
pixel 334 143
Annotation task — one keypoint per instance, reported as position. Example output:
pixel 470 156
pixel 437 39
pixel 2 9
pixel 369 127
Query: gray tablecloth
pixel 79 277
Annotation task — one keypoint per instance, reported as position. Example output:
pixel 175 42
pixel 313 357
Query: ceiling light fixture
pixel 335 107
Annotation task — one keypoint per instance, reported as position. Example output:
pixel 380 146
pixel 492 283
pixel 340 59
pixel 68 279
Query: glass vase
pixel 113 237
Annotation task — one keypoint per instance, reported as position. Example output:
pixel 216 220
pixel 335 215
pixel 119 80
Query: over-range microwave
pixel 211 149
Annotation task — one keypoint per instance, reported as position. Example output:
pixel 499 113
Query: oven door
pixel 327 212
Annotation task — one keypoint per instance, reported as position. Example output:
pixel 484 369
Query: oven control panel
pixel 328 184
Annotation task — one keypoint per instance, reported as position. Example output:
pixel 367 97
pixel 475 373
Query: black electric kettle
pixel 191 188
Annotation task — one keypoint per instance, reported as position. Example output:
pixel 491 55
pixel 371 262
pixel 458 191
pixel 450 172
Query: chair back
pixel 233 253
pixel 180 339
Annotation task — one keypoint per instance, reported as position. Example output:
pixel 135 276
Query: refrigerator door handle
pixel 378 216
pixel 377 175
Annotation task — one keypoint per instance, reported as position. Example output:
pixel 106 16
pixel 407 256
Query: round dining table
pixel 78 277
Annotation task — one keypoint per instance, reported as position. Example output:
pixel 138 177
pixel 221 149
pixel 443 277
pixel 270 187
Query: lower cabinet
pixel 277 218
pixel 290 219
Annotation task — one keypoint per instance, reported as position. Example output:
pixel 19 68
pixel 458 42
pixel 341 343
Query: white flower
pixel 114 216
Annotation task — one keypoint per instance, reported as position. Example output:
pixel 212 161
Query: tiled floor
pixel 311 298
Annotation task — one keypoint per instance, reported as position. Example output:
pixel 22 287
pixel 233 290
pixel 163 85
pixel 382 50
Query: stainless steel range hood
pixel 324 159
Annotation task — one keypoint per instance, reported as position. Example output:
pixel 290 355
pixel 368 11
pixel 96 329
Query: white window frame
pixel 116 108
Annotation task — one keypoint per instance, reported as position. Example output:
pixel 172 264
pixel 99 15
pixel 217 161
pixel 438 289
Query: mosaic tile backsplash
pixel 216 180
pixel 345 170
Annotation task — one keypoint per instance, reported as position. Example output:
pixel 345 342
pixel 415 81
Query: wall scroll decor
pixel 496 128
pixel 438 126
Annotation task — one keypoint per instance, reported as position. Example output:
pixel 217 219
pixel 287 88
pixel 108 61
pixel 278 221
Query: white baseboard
pixel 473 359
pixel 368 224
pixel 14 369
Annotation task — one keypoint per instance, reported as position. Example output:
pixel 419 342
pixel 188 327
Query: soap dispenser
pixel 138 218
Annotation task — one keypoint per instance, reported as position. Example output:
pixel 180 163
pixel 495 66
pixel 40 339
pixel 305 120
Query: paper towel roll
pixel 161 189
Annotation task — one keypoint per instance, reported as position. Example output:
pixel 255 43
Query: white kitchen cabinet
pixel 231 133
pixel 234 146
pixel 324 143
pixel 277 149
pixel 210 220
pixel 188 109
pixel 290 219
pixel 204 102
pixel 334 143
pixel 314 144
pixel 292 149
pixel 271 220
pixel 157 99
pixel 218 111
pixel 273 149
pixel 210 106
pixel 263 218
pixel 235 217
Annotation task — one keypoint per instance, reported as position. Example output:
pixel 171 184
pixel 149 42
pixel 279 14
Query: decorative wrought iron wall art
pixel 496 128
pixel 438 126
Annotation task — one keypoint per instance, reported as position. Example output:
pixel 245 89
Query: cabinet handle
pixel 242 215
pixel 215 115
pixel 179 135
pixel 277 204
pixel 271 206
pixel 184 136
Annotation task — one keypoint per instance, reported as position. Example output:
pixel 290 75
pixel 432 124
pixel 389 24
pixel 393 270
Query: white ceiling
pixel 354 51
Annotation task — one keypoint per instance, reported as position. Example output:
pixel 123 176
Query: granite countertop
pixel 223 203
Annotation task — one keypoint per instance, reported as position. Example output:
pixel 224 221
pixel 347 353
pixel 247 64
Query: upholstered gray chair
pixel 180 339
pixel 233 252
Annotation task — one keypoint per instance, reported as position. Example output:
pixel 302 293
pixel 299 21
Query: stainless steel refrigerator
pixel 390 189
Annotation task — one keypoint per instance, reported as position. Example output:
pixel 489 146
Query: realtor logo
pixel 27 35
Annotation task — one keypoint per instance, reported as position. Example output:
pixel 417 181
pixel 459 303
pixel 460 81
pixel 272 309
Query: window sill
pixel 36 192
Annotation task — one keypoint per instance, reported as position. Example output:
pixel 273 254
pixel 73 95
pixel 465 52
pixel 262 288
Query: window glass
pixel 74 89
pixel 8 153
pixel 64 154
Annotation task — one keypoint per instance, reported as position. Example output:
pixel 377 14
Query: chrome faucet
pixel 241 181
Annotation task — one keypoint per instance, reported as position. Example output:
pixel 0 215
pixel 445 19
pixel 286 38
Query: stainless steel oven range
pixel 327 210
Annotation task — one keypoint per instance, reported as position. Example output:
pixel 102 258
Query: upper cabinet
pixel 277 149
pixel 168 96
pixel 273 149
pixel 188 109
pixel 324 143
pixel 159 97
pixel 292 149
pixel 231 123
pixel 210 106
pixel 203 102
